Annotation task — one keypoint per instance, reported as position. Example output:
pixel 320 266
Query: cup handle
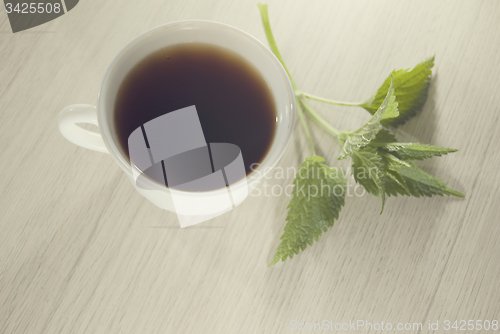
pixel 81 113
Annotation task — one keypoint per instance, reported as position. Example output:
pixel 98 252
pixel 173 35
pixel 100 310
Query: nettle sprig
pixel 381 164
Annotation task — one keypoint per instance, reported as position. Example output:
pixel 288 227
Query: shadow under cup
pixel 215 34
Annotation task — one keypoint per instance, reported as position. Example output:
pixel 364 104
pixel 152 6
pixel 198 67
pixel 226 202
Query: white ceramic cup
pixel 193 31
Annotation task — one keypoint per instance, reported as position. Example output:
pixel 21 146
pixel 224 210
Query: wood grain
pixel 82 252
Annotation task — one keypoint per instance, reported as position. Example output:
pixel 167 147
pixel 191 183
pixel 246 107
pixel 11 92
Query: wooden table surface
pixel 82 252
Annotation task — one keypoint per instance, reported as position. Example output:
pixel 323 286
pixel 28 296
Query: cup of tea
pixel 240 91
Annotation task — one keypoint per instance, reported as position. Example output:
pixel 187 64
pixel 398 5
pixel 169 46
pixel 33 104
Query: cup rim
pixel 117 155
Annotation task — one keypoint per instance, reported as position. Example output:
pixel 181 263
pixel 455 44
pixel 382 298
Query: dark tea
pixel 233 101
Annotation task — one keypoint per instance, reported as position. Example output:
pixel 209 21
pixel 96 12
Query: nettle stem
pixel 276 51
pixel 271 41
pixel 304 123
pixel 299 96
pixel 321 121
pixel 338 103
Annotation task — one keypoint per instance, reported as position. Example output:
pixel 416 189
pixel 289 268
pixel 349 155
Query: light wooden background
pixel 81 252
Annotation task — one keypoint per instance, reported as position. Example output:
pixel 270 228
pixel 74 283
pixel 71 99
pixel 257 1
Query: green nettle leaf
pixel 402 176
pixel 391 174
pixel 317 198
pixel 415 151
pixel 368 170
pixel 382 137
pixel 422 184
pixel 353 141
pixel 410 87
pixel 395 183
pixel 392 160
